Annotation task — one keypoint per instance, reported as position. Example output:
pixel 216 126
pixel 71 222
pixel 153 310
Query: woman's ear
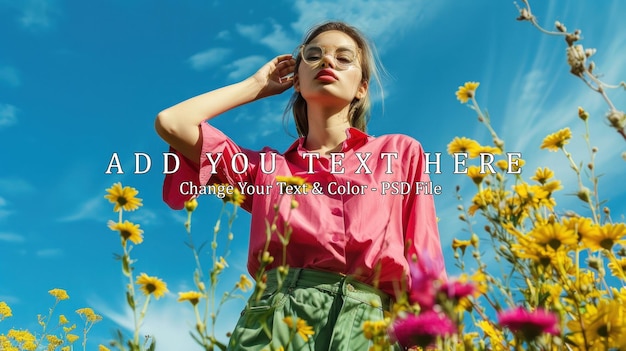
pixel 362 90
pixel 296 83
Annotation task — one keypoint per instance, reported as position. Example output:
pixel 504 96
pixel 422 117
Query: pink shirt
pixel 351 233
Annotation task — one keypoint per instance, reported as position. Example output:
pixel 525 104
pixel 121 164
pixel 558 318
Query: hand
pixel 275 76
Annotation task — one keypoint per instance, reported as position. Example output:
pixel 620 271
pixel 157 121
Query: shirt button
pixel 336 212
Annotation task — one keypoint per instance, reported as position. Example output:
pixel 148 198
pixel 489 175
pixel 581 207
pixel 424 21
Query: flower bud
pixel 594 263
pixel 590 52
pixel 560 27
pixel 617 119
pixel 524 15
pixel 474 240
pixel 582 114
pixel 584 194
pixel 191 205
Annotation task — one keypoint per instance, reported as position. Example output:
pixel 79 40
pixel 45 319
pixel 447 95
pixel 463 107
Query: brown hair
pixel 359 113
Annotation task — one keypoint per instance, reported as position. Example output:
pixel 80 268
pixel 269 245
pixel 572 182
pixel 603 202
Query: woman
pixel 359 223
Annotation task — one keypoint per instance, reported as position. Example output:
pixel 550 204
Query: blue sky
pixel 80 81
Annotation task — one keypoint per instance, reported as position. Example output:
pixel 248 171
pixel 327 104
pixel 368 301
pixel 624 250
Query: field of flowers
pixel 565 286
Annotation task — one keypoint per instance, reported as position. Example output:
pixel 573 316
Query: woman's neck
pixel 327 129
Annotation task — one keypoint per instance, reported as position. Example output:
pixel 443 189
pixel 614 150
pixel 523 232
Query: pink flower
pixel 457 290
pixel 425 278
pixel 421 330
pixel 530 324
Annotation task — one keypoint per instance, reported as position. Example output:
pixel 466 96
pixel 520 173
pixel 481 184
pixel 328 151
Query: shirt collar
pixel 355 138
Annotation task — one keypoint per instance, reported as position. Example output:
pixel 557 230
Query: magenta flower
pixel 530 324
pixel 421 330
pixel 457 290
pixel 425 279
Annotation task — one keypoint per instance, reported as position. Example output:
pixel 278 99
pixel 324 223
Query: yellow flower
pixel 151 285
pixel 557 140
pixel 552 186
pixel 63 320
pixel 543 255
pixel 220 265
pixel 618 267
pixel 235 197
pixel 489 150
pixel 475 175
pixel 603 326
pixel 460 244
pixel 123 198
pixel 554 235
pixel 54 340
pixel 89 314
pixel 192 296
pixel 480 279
pixel 128 231
pixel 66 348
pixel 301 327
pixel 291 180
pixel 464 145
pixel 581 225
pixel 604 237
pixel 294 181
pixel 103 348
pixel 495 335
pixel 542 175
pixel 466 91
pixel 191 205
pixel 516 164
pixel 244 283
pixel 60 294
pixel 5 310
pixel 71 338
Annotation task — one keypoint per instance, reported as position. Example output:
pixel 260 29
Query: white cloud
pixel 145 216
pixel 15 186
pixel 245 66
pixel 377 19
pixel 252 31
pixel 169 321
pixel 280 41
pixel 11 300
pixel 90 209
pixel 208 58
pixel 4 214
pixel 38 14
pixel 270 122
pixel 11 238
pixel 8 115
pixel 10 76
pixel 223 35
pixel 49 253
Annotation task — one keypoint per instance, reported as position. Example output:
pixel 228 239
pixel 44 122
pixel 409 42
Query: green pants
pixel 334 306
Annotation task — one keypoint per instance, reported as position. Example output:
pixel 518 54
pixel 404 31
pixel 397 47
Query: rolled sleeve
pixel 234 164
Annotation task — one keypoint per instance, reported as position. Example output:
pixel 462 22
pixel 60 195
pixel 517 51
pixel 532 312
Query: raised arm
pixel 179 125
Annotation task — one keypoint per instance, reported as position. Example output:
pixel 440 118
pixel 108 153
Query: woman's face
pixel 330 72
